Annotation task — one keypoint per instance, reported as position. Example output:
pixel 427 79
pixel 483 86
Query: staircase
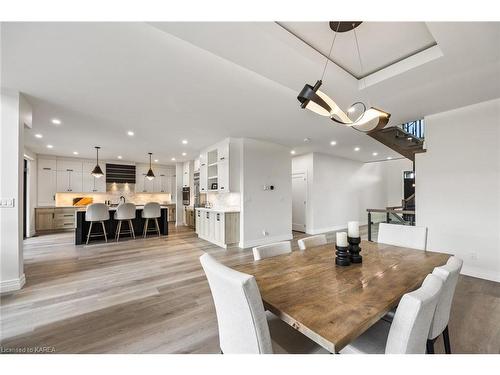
pixel 407 139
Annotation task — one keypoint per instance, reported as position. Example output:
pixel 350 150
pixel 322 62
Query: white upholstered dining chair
pixel 95 213
pixel 312 241
pixel 410 327
pixel 271 250
pixel 449 273
pixel 403 235
pixel 243 323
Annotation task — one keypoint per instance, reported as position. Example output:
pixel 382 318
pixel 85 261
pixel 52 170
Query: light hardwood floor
pixel 151 296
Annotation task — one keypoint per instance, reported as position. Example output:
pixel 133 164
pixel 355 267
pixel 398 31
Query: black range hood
pixel 120 173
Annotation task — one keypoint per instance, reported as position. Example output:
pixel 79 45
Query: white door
pixel 299 201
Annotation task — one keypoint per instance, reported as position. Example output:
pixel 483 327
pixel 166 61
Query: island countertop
pixel 113 208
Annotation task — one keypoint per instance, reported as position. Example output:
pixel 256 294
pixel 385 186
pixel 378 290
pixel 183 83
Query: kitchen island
pixel 82 226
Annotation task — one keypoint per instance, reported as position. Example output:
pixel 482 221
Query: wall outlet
pixel 7 202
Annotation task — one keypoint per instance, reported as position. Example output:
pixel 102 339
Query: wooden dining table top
pixel 333 305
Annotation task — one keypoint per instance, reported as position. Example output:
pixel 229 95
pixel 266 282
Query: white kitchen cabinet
pixel 197 164
pixel 47 182
pixel 203 173
pixel 185 174
pixel 223 151
pixel 69 181
pixel 223 176
pixel 73 165
pixel 218 227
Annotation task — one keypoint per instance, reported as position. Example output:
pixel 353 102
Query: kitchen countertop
pixel 224 210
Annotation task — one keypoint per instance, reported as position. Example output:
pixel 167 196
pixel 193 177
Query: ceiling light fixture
pixel 119 156
pixel 56 121
pixel 130 133
pixel 50 146
pixel 184 142
pixel 150 175
pixel 333 143
pixel 38 136
pixel 375 153
pixel 184 154
pixel 97 171
pixel 389 158
pixel 366 120
pixel 75 152
pixel 173 159
pixel 292 152
pixel 356 149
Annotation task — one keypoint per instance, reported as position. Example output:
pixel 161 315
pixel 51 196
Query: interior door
pixel 299 201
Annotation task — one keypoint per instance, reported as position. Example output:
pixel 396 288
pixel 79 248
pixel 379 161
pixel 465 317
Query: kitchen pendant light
pixel 150 175
pixel 311 98
pixel 97 171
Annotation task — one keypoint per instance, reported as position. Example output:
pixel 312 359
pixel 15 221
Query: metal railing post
pixel 369 226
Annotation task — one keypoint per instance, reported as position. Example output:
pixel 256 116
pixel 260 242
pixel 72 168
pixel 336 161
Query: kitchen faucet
pixel 122 197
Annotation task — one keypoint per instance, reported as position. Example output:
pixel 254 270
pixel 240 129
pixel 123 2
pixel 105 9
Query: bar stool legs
pixel 157 227
pixel 119 229
pixel 90 230
pixel 131 228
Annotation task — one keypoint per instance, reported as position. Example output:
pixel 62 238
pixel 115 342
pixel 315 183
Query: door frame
pixel 306 213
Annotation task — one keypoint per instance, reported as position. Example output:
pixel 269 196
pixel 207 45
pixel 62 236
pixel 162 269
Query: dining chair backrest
pixel 238 305
pixel 411 323
pixel 449 274
pixel 125 211
pixel 97 212
pixel 271 250
pixel 151 210
pixel 312 241
pixel 403 235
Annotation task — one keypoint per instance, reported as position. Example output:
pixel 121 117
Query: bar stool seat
pixel 97 212
pixel 151 210
pixel 125 211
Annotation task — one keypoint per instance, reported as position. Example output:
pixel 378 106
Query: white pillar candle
pixel 353 229
pixel 342 239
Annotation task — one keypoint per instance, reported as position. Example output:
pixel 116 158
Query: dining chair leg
pixel 88 234
pixel 430 347
pixel 104 230
pixel 446 337
pixel 145 228
pixel 118 231
pixel 131 228
pixel 157 227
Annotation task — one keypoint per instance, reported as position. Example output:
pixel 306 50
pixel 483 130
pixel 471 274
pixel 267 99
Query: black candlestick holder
pixel 354 249
pixel 342 258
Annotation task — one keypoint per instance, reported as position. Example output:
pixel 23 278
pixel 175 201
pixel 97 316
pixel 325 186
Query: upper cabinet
pixel 187 173
pixel 47 180
pixel 219 168
pixel 162 183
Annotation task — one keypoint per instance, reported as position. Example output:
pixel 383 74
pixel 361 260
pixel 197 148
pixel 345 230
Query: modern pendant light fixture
pixel 358 116
pixel 97 171
pixel 150 175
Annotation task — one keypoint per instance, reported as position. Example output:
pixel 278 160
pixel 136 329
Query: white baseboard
pixel 480 273
pixel 12 285
pixel 265 240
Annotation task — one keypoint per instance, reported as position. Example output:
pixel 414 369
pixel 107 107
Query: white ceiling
pixel 206 81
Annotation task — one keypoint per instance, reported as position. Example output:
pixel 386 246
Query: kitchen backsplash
pixel 224 200
pixel 66 199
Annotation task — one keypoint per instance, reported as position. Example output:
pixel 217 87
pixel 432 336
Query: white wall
pixel 264 163
pixel 340 190
pixel 458 186
pixel 14 110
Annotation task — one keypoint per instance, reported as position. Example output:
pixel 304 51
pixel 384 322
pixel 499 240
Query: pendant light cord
pixel 330 52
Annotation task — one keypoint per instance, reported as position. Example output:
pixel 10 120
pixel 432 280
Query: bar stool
pixel 151 210
pixel 125 211
pixel 96 212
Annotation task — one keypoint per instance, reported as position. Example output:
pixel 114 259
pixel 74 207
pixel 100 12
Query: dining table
pixel 331 304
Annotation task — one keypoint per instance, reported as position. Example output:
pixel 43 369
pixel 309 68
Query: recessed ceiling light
pixel 130 133
pixel 357 148
pixel 56 121
pixel 333 143
pixel 156 160
pixel 389 158
pixel 38 136
pixel 184 154
pixel 292 152
pixel 119 156
pixel 173 159
pixel 375 153
pixel 50 146
pixel 307 140
pixel 75 152
pixel 184 142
